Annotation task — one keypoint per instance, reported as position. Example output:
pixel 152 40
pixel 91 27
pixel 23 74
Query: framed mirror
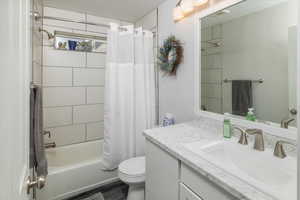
pixel 248 62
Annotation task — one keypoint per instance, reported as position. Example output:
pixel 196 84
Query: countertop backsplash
pixel 215 126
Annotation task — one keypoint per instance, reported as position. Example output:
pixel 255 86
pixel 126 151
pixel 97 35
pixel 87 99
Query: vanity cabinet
pixel 162 177
pixel 187 194
pixel 167 178
pixel 202 186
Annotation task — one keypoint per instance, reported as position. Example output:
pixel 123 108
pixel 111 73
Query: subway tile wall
pixel 211 69
pixel 73 82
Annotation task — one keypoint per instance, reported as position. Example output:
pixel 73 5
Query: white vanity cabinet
pixel 167 178
pixel 202 186
pixel 162 174
pixel 187 194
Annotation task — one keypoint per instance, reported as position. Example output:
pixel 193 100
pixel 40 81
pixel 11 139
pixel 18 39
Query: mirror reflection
pixel 248 62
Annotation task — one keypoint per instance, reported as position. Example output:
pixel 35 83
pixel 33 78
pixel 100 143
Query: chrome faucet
pixel 259 139
pixel 286 122
pixel 279 151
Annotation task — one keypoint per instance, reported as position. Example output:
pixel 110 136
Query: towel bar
pixel 254 81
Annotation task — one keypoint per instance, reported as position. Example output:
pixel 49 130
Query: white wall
pixel 297 5
pixel 293 13
pixel 176 94
pixel 148 21
pixel 73 82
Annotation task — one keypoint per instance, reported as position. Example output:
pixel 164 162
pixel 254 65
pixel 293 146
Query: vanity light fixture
pixel 186 7
pixel 200 2
pixel 177 12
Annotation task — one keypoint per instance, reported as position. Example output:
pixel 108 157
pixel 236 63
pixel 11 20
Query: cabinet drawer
pixel 202 186
pixel 187 194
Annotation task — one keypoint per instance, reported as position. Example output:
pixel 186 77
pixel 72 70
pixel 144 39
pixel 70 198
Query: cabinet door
pixel 202 186
pixel 187 194
pixel 162 174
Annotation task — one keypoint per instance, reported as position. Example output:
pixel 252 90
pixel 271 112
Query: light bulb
pixel 187 6
pixel 177 13
pixel 200 2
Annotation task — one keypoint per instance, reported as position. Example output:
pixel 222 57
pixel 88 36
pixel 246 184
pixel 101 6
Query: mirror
pixel 248 60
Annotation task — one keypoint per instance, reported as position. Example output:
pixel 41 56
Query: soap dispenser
pixel 250 115
pixel 227 128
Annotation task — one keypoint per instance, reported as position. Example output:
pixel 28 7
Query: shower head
pixel 50 35
pixel 222 12
pixel 214 44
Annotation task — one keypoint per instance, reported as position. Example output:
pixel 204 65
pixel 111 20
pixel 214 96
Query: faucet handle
pixel 243 138
pixel 279 150
pixel 47 133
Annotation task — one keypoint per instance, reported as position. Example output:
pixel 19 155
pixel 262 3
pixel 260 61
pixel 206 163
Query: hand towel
pixel 37 151
pixel 242 98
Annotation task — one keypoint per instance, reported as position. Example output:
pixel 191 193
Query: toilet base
pixel 136 192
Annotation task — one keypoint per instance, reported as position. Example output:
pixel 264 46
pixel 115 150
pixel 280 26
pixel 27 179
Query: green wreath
pixel 170 55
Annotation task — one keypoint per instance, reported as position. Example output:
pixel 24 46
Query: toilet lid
pixel 133 166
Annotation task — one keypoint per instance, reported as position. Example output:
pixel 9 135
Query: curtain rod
pixel 78 35
pixel 75 21
pixel 83 22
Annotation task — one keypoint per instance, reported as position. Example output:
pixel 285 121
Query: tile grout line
pixel 79 86
pixel 85 15
pixel 72 115
pixel 95 67
pixel 62 106
pixel 86 93
pixel 72 77
pixel 83 123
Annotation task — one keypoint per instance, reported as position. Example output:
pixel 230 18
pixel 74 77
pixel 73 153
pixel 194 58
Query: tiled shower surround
pixel 73 83
pixel 212 68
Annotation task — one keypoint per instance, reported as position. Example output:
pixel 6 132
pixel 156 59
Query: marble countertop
pixel 171 139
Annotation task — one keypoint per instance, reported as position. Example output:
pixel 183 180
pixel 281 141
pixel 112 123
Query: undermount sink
pixel 271 175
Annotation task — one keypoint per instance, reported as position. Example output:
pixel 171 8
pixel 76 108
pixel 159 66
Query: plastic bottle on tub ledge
pixel 168 120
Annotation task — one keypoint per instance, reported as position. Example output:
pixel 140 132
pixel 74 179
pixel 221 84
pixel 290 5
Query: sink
pixel 271 175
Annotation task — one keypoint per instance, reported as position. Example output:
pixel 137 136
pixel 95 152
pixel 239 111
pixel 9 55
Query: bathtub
pixel 75 169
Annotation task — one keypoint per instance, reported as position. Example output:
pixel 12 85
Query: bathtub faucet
pixel 50 145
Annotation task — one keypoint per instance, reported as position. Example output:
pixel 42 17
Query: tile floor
pixel 115 191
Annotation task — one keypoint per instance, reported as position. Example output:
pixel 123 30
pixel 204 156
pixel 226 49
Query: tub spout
pixel 50 145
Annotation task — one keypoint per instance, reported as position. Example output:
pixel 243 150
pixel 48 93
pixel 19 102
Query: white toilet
pixel 132 172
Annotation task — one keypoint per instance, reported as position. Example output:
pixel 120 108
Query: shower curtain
pixel 129 106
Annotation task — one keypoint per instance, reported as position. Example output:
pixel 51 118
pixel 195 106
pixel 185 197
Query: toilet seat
pixel 132 170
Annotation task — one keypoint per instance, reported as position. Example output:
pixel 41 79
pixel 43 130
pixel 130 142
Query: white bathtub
pixel 75 169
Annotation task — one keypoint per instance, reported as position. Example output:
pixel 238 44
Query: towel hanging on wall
pixel 242 97
pixel 37 151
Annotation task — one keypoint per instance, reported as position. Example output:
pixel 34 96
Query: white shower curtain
pixel 129 93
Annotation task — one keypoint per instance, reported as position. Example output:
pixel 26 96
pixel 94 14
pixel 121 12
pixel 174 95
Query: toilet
pixel 132 172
